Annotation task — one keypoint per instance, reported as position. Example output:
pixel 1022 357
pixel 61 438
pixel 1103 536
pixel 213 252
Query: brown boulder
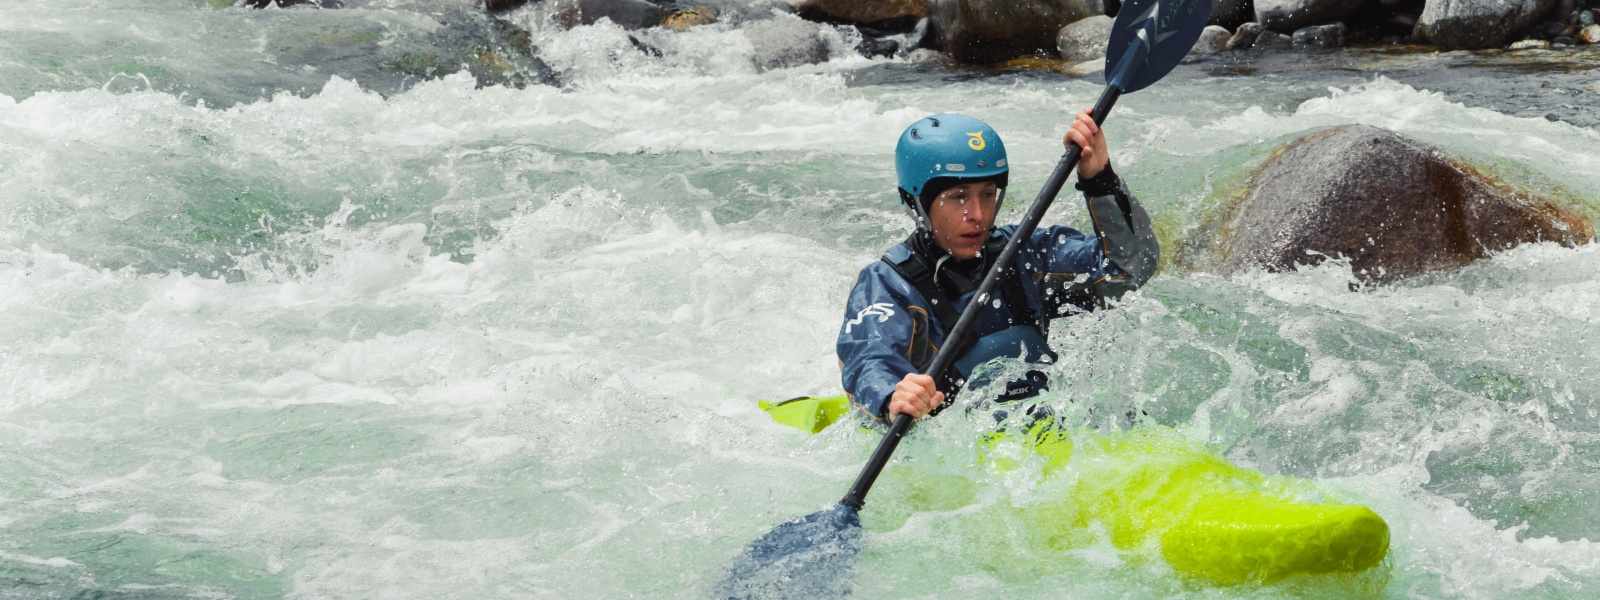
pixel 993 31
pixel 690 17
pixel 1393 206
pixel 861 12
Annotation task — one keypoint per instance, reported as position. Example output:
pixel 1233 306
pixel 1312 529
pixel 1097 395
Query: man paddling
pixel 952 172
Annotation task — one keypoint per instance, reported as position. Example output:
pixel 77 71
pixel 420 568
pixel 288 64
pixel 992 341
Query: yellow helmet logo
pixel 975 141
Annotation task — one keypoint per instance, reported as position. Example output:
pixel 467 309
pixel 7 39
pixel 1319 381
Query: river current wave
pixel 272 331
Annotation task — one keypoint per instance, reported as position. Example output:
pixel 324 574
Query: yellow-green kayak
pixel 1212 520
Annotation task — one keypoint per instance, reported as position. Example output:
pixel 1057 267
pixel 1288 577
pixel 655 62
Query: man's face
pixel 961 217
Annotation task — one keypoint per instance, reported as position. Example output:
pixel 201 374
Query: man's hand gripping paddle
pixel 811 557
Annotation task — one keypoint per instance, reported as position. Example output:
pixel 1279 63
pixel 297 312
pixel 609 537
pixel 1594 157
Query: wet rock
pixel 690 17
pixel 496 6
pixel 1585 18
pixel 1320 36
pixel 1530 45
pixel 1563 42
pixel 1085 39
pixel 629 14
pixel 878 46
pixel 881 14
pixel 786 42
pixel 289 3
pixel 1590 34
pixel 1245 36
pixel 1473 24
pixel 494 51
pixel 1273 39
pixel 1231 13
pixel 1393 206
pixel 1285 16
pixel 1213 39
pixel 389 59
pixel 992 31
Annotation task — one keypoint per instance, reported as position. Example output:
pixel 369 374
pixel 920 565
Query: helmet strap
pixel 918 214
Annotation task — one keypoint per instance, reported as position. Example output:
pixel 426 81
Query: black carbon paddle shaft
pixel 1052 186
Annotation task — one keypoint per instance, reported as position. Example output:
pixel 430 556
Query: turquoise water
pixel 280 325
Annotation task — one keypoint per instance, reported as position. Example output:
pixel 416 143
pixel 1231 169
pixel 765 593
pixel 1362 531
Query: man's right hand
pixel 915 395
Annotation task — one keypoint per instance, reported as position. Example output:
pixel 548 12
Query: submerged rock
pixel 1393 206
pixel 289 3
pixel 390 58
pixel 495 6
pixel 878 46
pixel 992 31
pixel 1473 24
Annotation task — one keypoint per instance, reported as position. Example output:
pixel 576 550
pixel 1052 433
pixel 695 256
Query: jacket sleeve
pixel 1127 238
pixel 874 339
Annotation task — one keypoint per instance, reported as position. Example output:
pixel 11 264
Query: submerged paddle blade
pixel 1150 37
pixel 809 557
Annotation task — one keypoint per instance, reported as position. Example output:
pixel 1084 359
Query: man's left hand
pixel 1087 135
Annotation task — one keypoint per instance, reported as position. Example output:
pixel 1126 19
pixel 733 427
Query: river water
pixel 276 322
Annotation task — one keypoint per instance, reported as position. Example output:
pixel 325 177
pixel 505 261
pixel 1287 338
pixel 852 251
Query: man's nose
pixel 972 209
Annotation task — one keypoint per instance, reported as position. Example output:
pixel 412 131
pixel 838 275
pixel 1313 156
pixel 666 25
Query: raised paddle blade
pixel 809 557
pixel 1149 38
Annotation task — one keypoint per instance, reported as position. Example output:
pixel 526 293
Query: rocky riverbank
pixel 1035 32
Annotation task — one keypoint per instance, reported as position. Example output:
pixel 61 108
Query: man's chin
pixel 966 253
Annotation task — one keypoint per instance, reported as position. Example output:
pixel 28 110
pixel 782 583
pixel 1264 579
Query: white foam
pixel 53 562
pixel 358 410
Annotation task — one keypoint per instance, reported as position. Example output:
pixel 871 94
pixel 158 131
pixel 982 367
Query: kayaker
pixel 952 173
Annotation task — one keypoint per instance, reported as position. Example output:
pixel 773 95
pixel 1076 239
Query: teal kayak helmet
pixel 939 151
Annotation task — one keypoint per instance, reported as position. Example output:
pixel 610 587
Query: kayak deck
pixel 1212 520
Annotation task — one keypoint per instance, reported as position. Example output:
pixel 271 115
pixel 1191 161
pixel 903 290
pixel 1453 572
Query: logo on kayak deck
pixel 882 310
pixel 975 141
